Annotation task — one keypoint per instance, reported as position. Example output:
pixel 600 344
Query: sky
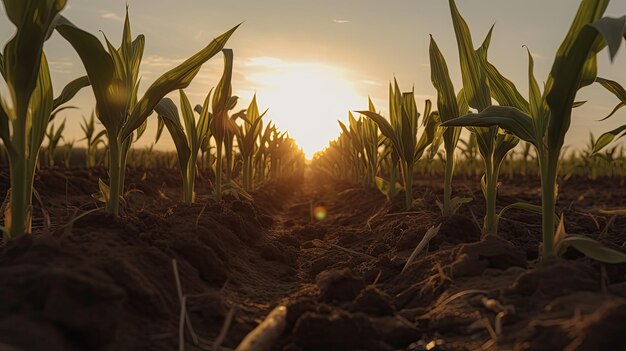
pixel 310 62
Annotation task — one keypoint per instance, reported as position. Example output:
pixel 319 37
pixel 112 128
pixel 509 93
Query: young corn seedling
pixel 113 74
pixel 549 118
pixel 262 156
pixel 93 140
pixel 613 135
pixel 222 126
pixel 247 137
pixel 402 132
pixel 390 162
pixel 30 106
pixel 482 82
pixel 188 139
pixel 54 137
pixel 68 150
pixel 449 106
pixel 354 134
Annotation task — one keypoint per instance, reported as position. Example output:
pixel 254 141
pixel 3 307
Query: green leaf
pixel 110 105
pixel 104 194
pixel 22 54
pixel 384 126
pixel 506 117
pixel 474 80
pixel 177 78
pixel 617 90
pixel 70 90
pixel 446 98
pixel 189 120
pixel 521 206
pixel 383 185
pixel 204 122
pixel 573 69
pixel 167 112
pixel 608 137
pixel 41 108
pixel 222 97
pixel 503 90
pixel 593 249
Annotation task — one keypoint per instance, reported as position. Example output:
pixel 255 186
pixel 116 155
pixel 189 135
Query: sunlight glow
pixel 305 98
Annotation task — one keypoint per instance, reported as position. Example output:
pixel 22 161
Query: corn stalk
pixel 23 123
pixel 548 121
pixel 113 74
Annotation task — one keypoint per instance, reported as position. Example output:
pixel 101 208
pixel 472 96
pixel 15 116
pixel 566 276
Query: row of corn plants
pixel 26 114
pixel 536 126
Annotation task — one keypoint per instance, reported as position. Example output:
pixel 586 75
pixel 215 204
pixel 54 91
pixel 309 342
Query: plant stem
pixel 393 179
pixel 115 174
pixel 490 224
pixel 447 184
pixel 218 173
pixel 408 185
pixel 548 203
pixel 247 177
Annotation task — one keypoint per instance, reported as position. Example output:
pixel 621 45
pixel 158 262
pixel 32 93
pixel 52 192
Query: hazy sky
pixel 312 61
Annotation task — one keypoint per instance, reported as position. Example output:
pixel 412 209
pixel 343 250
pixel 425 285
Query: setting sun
pixel 305 98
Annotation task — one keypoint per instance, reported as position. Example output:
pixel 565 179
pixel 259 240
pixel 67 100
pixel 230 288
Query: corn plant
pixel 402 132
pixel 54 136
pixel 68 150
pixel 221 125
pixel 449 106
pixel 188 139
pixel 262 156
pixel 391 163
pixel 25 70
pixel 482 82
pixel 113 74
pixel 93 140
pixel 548 119
pixel 247 137
pixel 607 138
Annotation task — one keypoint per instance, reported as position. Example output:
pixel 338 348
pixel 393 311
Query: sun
pixel 305 98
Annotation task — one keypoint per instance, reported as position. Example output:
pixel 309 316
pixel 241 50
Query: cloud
pixel 63 65
pixel 110 16
pixel 370 82
pixel 265 61
pixel 340 21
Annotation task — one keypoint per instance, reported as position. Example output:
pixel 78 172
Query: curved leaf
pixel 167 112
pixel 101 72
pixel 384 126
pixel 593 249
pixel 446 98
pixel 506 117
pixel 177 78
pixel 617 90
pixel 573 69
pixel 608 137
pixel 22 54
pixel 474 80
pixel 70 90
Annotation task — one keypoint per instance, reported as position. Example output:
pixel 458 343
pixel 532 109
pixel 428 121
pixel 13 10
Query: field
pixel 460 223
pixel 93 281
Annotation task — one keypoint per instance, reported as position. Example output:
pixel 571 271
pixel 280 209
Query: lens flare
pixel 319 213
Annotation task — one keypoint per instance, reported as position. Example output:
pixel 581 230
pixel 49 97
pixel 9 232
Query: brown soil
pixel 86 281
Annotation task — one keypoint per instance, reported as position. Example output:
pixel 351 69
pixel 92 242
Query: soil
pixel 87 281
